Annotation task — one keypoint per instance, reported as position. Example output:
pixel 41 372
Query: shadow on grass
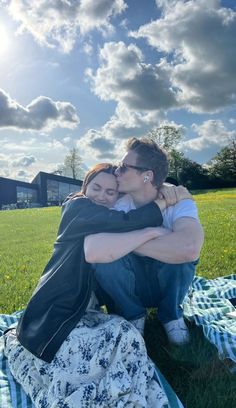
pixel 194 371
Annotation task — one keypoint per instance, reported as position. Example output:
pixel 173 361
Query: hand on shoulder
pixel 173 194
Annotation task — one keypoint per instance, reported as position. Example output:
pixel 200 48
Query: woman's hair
pixel 92 173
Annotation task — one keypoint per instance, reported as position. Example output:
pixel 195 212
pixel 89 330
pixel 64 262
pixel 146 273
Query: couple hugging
pixel 129 251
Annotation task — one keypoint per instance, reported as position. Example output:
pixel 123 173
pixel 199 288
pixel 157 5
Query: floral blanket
pixel 102 363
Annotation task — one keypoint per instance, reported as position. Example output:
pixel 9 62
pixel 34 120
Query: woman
pixel 52 355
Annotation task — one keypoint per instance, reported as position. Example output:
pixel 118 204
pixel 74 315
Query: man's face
pixel 129 179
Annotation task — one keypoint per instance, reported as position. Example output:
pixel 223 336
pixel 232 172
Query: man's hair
pixel 150 156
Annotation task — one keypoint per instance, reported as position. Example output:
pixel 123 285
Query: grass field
pixel 196 374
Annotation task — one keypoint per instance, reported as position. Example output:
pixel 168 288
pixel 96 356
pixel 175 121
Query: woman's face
pixel 103 189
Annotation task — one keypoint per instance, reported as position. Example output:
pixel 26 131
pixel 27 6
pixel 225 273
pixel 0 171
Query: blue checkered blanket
pixel 207 306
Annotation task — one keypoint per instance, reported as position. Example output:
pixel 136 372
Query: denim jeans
pixel 135 283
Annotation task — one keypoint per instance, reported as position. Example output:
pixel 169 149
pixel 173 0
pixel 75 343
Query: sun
pixel 4 39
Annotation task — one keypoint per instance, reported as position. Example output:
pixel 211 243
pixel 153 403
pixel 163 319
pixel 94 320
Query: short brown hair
pixel 150 156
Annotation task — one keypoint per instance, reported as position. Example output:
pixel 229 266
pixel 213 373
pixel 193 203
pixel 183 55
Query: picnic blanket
pixel 47 383
pixel 207 305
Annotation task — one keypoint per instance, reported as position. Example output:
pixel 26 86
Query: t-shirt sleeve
pixel 184 208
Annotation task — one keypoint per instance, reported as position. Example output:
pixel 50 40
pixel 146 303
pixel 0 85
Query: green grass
pixel 217 210
pixel 195 372
pixel 27 238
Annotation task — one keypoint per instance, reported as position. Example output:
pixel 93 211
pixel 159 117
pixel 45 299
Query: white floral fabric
pixel 102 363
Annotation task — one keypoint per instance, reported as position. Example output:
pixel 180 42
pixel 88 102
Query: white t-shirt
pixel 184 208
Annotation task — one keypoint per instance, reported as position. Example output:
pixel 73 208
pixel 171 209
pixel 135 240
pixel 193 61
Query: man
pixel 160 271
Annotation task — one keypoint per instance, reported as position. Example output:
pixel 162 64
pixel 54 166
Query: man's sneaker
pixel 139 324
pixel 177 332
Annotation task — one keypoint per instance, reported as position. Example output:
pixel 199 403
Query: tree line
pixel 219 172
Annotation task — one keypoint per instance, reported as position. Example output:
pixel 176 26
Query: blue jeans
pixel 135 283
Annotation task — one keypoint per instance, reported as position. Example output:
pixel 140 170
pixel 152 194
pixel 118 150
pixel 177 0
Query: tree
pixel 184 170
pixel 168 137
pixel 176 162
pixel 223 165
pixel 72 165
pixel 193 175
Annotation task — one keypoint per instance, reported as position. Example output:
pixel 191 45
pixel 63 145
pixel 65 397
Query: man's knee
pixel 187 269
pixel 112 270
pixel 124 262
pixel 102 272
pixel 184 267
pixel 176 275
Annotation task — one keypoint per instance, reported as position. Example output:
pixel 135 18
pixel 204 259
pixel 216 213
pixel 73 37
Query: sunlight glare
pixel 4 40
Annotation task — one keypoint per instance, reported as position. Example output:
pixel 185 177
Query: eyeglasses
pixel 123 167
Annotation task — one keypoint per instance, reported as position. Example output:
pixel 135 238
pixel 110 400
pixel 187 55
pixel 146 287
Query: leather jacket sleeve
pixel 80 216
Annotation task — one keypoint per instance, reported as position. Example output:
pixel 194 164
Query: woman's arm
pixel 81 217
pixel 107 247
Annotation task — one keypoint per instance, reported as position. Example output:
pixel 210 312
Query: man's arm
pixel 181 245
pixel 107 247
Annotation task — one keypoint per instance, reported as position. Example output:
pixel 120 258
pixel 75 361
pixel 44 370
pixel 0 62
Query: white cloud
pixel 3 161
pixel 165 4
pixel 88 48
pixel 124 23
pixel 66 140
pixel 32 144
pixel 41 114
pixel 93 145
pixel 108 142
pixel 14 166
pixel 142 93
pixel 125 78
pixel 24 161
pixel 211 134
pixel 97 14
pixel 45 155
pixel 55 144
pixel 199 36
pixel 127 123
pixel 54 23
pixel 102 144
pixel 22 174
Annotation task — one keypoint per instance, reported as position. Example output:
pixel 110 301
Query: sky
pixel 91 74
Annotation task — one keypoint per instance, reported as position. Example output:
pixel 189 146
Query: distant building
pixel 45 190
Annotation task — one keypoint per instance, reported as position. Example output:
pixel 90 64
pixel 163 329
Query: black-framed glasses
pixel 123 167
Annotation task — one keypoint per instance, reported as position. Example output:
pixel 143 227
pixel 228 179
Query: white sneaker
pixel 139 324
pixel 177 332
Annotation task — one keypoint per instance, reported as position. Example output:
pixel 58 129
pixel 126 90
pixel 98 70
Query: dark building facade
pixel 45 190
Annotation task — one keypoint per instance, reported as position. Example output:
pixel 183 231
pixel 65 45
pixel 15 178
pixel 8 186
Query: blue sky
pixel 91 74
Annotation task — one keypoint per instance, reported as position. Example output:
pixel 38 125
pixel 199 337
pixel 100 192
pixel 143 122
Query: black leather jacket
pixel 64 289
